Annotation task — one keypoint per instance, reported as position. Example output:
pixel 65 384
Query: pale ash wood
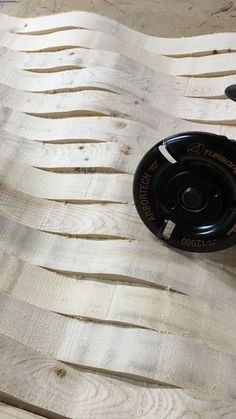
pixel 72 393
pixel 67 187
pixel 76 187
pixel 128 253
pixel 215 65
pixel 66 130
pixel 100 128
pixel 115 157
pixel 11 412
pixel 94 221
pixel 97 221
pixel 101 157
pixel 124 304
pixel 146 86
pixel 122 260
pixel 89 221
pixel 172 46
pixel 129 352
pixel 91 103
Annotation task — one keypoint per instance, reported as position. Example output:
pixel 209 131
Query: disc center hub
pixel 192 199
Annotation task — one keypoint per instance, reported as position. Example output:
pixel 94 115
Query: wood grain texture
pixel 161 358
pixel 117 128
pixel 97 220
pixel 74 187
pixel 91 102
pixel 116 33
pixel 101 157
pixel 10 412
pixel 146 85
pixel 133 261
pixel 73 393
pixel 183 18
pixel 160 310
pixel 72 58
pixel 148 331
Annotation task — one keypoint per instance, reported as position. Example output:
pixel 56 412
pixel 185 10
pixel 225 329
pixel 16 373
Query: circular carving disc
pixel 185 191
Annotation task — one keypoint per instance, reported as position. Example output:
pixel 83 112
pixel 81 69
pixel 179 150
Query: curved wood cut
pixel 60 337
pixel 121 260
pixel 104 157
pixel 86 393
pixel 100 128
pixel 147 88
pixel 160 310
pixel 167 46
pixel 102 103
pixel 94 221
pixel 89 187
pixel 72 58
pixel 149 330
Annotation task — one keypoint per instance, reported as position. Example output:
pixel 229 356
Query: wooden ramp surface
pixel 99 319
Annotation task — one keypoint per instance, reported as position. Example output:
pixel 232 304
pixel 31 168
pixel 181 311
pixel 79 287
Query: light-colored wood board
pixel 67 187
pixel 163 311
pixel 100 128
pixel 76 187
pixel 73 393
pixel 122 260
pixel 110 156
pixel 146 86
pixel 213 65
pixel 94 221
pixel 91 102
pixel 129 352
pixel 113 33
pixel 183 17
pixel 93 157
pixel 115 260
pixel 77 129
pixel 11 412
pixel 86 221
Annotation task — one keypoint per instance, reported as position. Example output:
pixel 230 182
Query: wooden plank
pixel 100 157
pixel 100 128
pixel 173 46
pixel 213 65
pixel 74 393
pixel 127 291
pixel 145 86
pixel 74 187
pixel 10 412
pixel 130 352
pixel 92 103
pixel 94 221
pixel 122 260
pixel 155 309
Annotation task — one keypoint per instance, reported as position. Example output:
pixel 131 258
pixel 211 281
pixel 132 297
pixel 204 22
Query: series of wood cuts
pixel 98 319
